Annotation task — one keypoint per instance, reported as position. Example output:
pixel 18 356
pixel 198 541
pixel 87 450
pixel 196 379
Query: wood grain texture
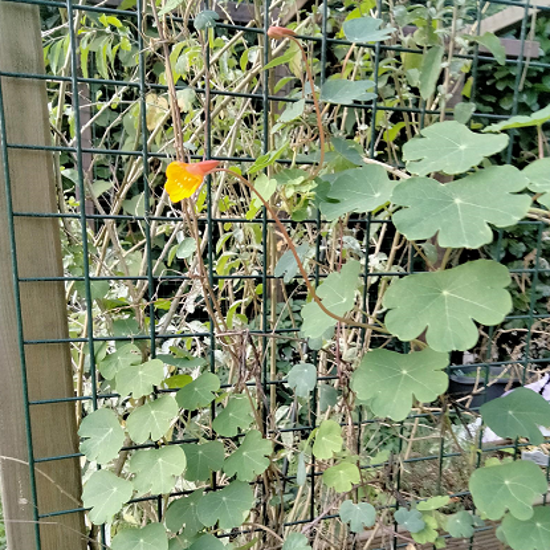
pixel 43 308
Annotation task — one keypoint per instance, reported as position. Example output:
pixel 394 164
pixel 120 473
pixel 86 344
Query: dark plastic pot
pixel 461 386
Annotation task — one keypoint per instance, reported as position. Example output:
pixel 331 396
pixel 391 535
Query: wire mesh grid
pixel 92 151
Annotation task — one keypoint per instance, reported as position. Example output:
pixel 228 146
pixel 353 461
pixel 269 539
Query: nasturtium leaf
pixel 518 414
pixel 250 459
pixel 202 459
pixel 105 493
pixel 358 516
pixel 430 71
pixel 449 147
pixel 208 542
pixel 433 503
pixel 206 19
pixel 447 303
pixel 328 396
pixel 463 112
pixel 156 469
pixel 412 520
pixel 228 506
pixel 538 174
pixel 150 537
pixel 237 414
pixel 198 393
pixel 538 118
pixel 182 513
pixel 337 294
pixel 493 44
pixel 460 525
pixel 342 91
pixel 328 439
pixel 139 380
pixel 184 540
pixel 460 211
pixel 152 420
pixel 358 190
pixel 366 29
pixel 124 357
pixel 390 380
pixel 287 267
pixel 302 379
pixel 514 486
pixel 341 477
pixel 532 534
pixel 296 541
pixel 104 436
pixel 429 533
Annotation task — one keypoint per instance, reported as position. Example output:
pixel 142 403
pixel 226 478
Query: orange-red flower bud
pixel 278 33
pixel 183 179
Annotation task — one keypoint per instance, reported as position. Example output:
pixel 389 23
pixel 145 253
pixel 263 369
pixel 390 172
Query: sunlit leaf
pixel 514 486
pixel 328 439
pixel 250 459
pixel 104 436
pixel 538 118
pixel 341 477
pixel 152 420
pixel 391 380
pixel 449 147
pixel 302 378
pixel 156 469
pixel 228 507
pixel 337 293
pixel 203 459
pixel 518 414
pixel 460 211
pixel 105 493
pixel 447 303
pixel 358 190
pixel 358 516
pixel 150 537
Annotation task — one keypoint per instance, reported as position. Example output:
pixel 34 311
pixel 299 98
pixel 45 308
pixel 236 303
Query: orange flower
pixel 280 32
pixel 184 179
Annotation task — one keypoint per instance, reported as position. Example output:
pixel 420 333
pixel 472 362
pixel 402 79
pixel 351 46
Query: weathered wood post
pixel 33 373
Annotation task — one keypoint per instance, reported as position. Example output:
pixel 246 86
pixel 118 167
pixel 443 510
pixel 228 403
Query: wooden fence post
pixel 43 312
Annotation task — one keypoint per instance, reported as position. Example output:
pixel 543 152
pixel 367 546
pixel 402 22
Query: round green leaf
pixel 139 380
pixel 366 29
pixel 346 91
pixel 447 303
pixel 532 534
pixel 203 459
pixel 358 190
pixel 358 516
pixel 513 486
pixel 208 542
pixel 150 537
pixel 237 414
pixel 182 512
pixel 228 507
pixel 391 380
pixel 250 459
pixel 460 525
pixel 429 533
pixel 518 414
pixel 341 477
pixel 105 493
pixel 302 378
pixel 449 147
pixel 104 434
pixel 460 211
pixel 182 541
pixel 328 439
pixel 199 393
pixel 412 520
pixel 156 469
pixel 296 541
pixel 127 355
pixel 152 420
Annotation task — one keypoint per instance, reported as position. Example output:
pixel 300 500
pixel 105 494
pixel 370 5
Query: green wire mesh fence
pixel 130 267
